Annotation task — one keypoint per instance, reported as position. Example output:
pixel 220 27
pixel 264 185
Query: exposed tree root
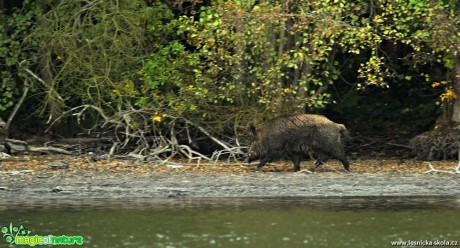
pixel 132 134
pixel 437 144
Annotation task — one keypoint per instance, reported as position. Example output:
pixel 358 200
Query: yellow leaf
pixel 157 118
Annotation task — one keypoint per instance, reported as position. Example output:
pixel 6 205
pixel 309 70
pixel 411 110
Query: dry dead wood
pixel 436 144
pixel 23 146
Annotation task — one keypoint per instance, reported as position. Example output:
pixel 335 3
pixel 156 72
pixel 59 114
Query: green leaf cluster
pixel 14 27
pixel 223 62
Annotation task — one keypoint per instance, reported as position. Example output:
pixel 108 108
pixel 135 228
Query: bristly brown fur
pixel 294 136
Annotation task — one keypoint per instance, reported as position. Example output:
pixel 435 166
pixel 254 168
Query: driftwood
pixel 135 137
pixel 22 146
pixel 17 172
pixel 456 170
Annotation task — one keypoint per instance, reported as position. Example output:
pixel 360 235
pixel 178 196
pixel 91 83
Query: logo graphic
pixel 20 236
pixel 10 233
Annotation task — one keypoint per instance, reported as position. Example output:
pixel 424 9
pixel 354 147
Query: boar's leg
pixel 296 158
pixel 269 157
pixel 318 162
pixel 345 163
pixel 322 158
pixel 342 157
pixel 263 161
pixel 343 160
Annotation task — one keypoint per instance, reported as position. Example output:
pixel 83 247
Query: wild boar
pixel 293 137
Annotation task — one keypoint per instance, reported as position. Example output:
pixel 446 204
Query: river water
pixel 238 222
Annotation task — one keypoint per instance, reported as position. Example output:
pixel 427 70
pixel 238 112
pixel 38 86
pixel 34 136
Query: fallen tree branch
pixel 232 152
pixel 189 152
pixel 142 140
pixel 432 169
pixel 17 172
pixel 221 143
pixel 456 169
pixel 22 146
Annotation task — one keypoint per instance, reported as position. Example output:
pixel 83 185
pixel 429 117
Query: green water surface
pixel 361 222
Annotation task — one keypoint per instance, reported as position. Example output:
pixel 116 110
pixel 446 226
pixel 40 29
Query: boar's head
pixel 255 149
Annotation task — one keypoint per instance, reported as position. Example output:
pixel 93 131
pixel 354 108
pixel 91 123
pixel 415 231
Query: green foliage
pixel 228 62
pixel 286 55
pixel 14 27
pixel 167 81
pixel 262 52
pixel 89 48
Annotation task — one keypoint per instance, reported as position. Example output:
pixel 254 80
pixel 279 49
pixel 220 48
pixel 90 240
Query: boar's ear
pixel 253 130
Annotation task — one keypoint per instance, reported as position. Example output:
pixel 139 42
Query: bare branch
pixel 432 169
pixel 43 82
pixel 19 145
pixel 83 109
pixel 16 107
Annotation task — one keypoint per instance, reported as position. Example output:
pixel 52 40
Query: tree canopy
pixel 188 70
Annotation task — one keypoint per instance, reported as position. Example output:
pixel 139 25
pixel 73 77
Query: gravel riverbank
pixel 152 184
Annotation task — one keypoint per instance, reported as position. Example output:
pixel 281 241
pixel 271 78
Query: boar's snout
pixel 251 157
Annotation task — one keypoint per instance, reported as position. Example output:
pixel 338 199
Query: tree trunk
pixel 455 117
pixel 444 141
